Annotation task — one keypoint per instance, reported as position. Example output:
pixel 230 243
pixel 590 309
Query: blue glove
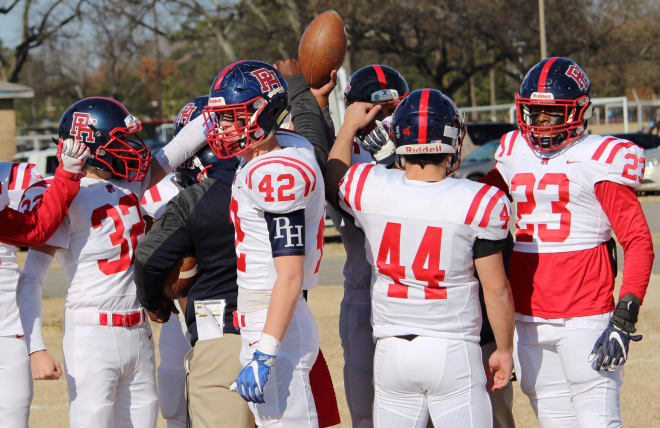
pixel 611 349
pixel 252 379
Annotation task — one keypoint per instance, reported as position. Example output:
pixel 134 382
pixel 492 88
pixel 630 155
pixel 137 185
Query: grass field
pixel 641 386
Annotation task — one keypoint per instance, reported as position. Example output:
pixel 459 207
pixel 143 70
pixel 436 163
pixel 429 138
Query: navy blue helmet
pixel 559 88
pixel 110 132
pixel 195 169
pixel 247 103
pixel 428 122
pixel 376 84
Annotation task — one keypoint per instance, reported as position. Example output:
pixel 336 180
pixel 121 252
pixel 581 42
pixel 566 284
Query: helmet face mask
pixel 247 103
pixel 558 89
pixel 196 169
pixel 111 133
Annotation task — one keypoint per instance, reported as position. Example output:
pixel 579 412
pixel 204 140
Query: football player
pixel 278 211
pixel 385 86
pixel 15 365
pixel 571 190
pixel 108 350
pixel 34 228
pixel 425 301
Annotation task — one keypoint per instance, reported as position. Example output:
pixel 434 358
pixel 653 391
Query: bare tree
pixel 51 19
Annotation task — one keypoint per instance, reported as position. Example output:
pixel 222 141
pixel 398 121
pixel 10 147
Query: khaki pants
pixel 213 366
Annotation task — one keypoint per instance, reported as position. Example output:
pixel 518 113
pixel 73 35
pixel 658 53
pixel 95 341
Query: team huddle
pixel 441 301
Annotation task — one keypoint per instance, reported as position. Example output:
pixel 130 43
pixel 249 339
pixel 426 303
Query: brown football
pixel 180 278
pixel 322 48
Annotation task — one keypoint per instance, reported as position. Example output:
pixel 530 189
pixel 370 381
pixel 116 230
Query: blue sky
pixel 10 26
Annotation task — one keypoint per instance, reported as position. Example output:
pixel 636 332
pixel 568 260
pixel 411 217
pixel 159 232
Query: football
pixel 322 48
pixel 180 278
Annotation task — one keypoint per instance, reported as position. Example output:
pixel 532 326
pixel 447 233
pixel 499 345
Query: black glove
pixel 611 349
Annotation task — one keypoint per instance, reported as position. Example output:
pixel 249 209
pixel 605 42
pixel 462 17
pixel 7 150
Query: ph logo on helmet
pixel 576 73
pixel 185 114
pixel 80 127
pixel 267 78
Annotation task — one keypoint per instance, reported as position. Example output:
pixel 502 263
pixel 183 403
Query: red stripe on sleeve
pixel 489 208
pixel 544 73
pixel 629 224
pixel 502 146
pixel 475 204
pixel 423 116
pixel 308 182
pixel 599 152
pixel 155 194
pixel 12 177
pixel 360 186
pixel 349 181
pixel 511 142
pixel 616 149
pixel 382 80
pixel 27 176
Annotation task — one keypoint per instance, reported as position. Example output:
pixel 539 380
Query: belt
pixel 407 337
pixel 111 319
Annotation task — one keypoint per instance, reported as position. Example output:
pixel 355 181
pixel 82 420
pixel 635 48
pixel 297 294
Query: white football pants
pixel 173 348
pixel 289 402
pixel 443 377
pixel 110 373
pixel 553 371
pixel 15 382
pixel 357 340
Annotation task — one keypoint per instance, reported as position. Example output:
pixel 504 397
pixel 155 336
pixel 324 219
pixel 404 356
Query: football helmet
pixel 428 122
pixel 249 99
pixel 553 104
pixel 376 84
pixel 110 132
pixel 195 169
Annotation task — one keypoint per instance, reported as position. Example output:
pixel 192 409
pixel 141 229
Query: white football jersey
pixel 278 182
pixel 357 270
pixel 155 199
pixel 556 205
pixel 97 241
pixel 15 178
pixel 419 240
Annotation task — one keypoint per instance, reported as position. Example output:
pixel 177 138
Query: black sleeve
pixel 160 250
pixel 286 233
pixel 308 118
pixel 486 247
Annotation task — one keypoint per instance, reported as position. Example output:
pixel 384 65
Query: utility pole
pixel 544 52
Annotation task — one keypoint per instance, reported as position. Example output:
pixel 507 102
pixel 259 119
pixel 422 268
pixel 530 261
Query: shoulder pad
pixel 489 211
pixel 280 184
pixel 155 199
pixel 507 141
pixel 624 159
pixel 351 186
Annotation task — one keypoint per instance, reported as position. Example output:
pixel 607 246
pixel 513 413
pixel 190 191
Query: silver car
pixel 651 180
pixel 478 163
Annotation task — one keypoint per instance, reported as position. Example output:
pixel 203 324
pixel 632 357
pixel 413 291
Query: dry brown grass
pixel 640 409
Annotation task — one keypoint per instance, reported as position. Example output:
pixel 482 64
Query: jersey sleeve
pixel 351 187
pixel 489 213
pixel 623 160
pixel 280 185
pixel 22 176
pixel 155 199
pixel 32 198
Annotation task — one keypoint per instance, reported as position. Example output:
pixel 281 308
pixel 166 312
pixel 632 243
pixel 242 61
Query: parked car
pixel 45 159
pixel 478 163
pixel 645 141
pixel 651 179
pixel 479 133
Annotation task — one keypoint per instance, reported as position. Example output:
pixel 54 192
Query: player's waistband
pixel 106 318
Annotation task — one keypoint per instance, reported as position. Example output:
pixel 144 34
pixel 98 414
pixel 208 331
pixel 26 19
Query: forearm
pixel 28 296
pixel 34 228
pixel 339 160
pixel 630 227
pixel 498 299
pixel 286 293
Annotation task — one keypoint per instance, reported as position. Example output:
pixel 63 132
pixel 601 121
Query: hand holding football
pixel 322 48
